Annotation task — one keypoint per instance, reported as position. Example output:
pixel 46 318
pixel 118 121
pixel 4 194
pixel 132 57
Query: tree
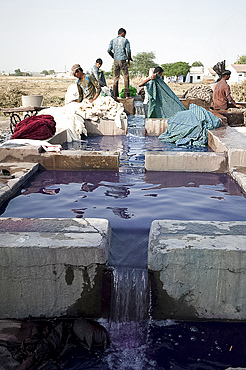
pixel 197 64
pixel 51 72
pixel 45 72
pixel 176 69
pixel 166 69
pixel 141 64
pixel 241 59
pixel 18 72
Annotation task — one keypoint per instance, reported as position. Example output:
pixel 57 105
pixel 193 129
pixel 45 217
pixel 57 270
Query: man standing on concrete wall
pixel 119 49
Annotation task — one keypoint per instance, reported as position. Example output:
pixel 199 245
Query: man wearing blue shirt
pixel 119 49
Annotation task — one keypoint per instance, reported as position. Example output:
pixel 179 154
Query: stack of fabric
pixel 190 127
pixel 73 115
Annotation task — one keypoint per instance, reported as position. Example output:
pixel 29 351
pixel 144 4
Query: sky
pixel 37 35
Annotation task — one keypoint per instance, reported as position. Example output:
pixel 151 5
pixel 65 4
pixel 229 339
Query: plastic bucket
pixel 32 100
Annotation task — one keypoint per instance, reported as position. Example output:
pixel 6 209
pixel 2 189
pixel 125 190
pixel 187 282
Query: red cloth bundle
pixel 35 127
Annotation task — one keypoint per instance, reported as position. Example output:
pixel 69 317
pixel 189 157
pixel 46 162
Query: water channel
pixel 131 199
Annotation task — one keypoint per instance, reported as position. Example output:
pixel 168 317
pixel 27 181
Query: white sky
pixel 51 34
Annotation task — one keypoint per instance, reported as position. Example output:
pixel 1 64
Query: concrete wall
pixel 65 160
pixel 105 127
pixel 197 269
pixel 19 174
pixel 227 139
pixel 186 161
pixel 52 267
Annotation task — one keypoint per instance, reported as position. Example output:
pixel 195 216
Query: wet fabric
pixel 190 127
pixel 50 341
pixel 163 103
pixel 40 127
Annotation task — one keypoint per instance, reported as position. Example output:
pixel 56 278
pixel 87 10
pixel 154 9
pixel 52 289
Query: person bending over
pixel 88 86
pixel 222 93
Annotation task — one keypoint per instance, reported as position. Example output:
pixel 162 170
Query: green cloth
pixel 190 127
pixel 163 103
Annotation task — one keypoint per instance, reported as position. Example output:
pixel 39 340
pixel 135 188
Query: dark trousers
pixel 121 65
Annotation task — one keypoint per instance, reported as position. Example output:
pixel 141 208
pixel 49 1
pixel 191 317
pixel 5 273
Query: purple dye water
pixel 131 199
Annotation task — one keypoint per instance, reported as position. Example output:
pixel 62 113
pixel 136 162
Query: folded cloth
pixel 40 127
pixel 190 127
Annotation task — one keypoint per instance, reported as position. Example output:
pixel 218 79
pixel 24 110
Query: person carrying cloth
pixel 162 102
pixel 88 86
pixel 119 49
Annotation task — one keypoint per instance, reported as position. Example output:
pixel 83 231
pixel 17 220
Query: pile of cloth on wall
pixel 190 127
pixel 40 127
pixel 73 115
pixel 70 117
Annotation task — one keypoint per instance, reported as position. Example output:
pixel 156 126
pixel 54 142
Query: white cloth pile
pixel 103 107
pixel 71 117
pixel 47 147
pixel 68 119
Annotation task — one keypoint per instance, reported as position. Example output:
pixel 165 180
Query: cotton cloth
pixel 72 116
pixel 40 127
pixel 190 127
pixel 163 103
pixel 72 93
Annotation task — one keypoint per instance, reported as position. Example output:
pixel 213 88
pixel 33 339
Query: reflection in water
pixel 116 192
pixel 121 212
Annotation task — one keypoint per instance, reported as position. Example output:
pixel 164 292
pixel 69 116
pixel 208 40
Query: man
pixel 119 49
pixel 152 76
pixel 99 76
pixel 222 93
pixel 88 86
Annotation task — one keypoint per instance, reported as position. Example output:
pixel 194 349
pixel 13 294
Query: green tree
pixel 166 69
pixel 197 64
pixel 241 59
pixel 176 69
pixel 51 71
pixel 45 72
pixel 141 64
pixel 18 72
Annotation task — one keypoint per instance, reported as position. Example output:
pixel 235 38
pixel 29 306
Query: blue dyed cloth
pixel 190 127
pixel 163 103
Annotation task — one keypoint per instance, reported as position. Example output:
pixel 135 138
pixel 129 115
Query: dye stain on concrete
pixel 69 275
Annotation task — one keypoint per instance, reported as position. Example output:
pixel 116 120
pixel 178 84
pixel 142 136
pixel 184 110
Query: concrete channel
pixel 197 269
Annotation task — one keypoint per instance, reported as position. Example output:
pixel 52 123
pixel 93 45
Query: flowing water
pixel 131 199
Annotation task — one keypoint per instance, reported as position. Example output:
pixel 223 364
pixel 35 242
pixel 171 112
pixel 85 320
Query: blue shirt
pixel 119 48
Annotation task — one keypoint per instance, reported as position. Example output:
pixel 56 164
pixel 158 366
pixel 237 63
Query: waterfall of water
pixel 130 295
